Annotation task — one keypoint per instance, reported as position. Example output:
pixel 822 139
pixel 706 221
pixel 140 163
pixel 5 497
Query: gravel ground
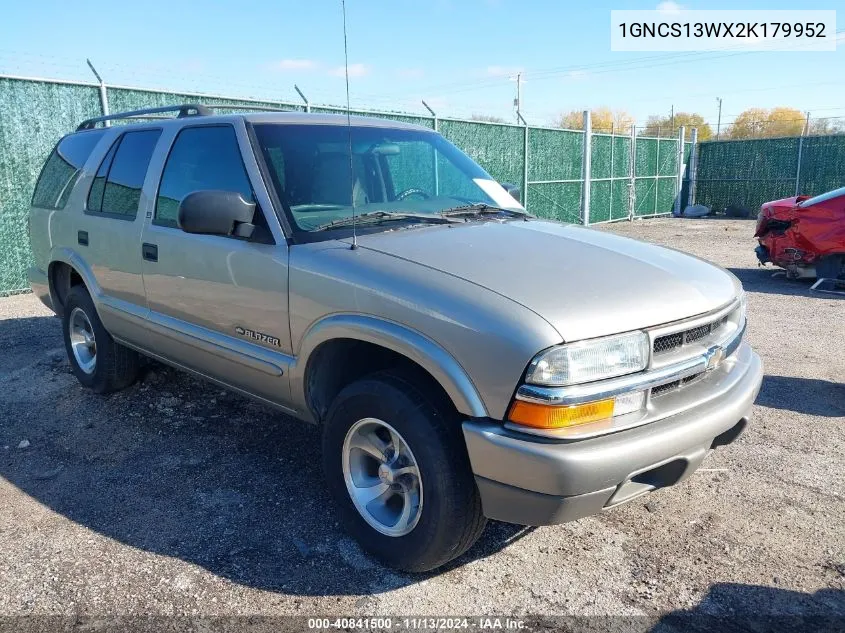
pixel 175 498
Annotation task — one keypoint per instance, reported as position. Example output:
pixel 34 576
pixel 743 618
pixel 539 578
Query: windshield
pixel 412 172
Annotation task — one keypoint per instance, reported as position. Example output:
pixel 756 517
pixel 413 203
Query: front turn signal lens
pixel 543 416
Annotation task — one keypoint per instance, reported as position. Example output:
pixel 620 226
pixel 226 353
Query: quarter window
pixel 202 158
pixel 95 195
pixel 116 189
pixel 62 169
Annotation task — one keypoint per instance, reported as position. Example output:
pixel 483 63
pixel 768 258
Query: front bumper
pixel 535 481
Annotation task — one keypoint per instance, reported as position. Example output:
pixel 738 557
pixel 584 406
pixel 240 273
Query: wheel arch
pixel 345 334
pixel 65 270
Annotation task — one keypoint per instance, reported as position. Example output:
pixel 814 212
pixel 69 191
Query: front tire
pixel 97 361
pixel 396 465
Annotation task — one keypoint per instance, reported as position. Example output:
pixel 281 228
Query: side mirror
pixel 214 212
pixel 513 190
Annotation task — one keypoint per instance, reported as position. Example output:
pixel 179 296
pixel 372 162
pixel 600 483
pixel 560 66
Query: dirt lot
pixel 176 498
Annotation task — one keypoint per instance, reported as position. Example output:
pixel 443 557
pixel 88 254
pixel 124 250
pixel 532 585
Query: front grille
pixel 675 384
pixel 692 378
pixel 697 333
pixel 661 389
pixel 668 342
pixel 671 342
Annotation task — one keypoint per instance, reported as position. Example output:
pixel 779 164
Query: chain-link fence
pixel 745 174
pixel 566 175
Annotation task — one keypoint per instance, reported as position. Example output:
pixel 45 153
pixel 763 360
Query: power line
pixel 185 79
pixel 610 67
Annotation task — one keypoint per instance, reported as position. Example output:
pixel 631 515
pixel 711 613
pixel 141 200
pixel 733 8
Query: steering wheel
pixel 412 191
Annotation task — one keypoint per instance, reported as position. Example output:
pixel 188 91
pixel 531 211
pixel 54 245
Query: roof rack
pixel 254 108
pixel 185 110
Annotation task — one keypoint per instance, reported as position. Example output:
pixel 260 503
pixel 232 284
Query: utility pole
pixel 806 126
pixel 719 120
pixel 673 118
pixel 518 101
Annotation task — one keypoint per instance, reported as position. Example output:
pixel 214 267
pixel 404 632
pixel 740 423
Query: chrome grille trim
pixel 578 394
pixel 680 340
pixel 670 342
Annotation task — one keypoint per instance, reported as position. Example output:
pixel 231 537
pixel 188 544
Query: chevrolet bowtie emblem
pixel 714 356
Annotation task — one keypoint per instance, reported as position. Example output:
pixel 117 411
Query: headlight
pixel 590 360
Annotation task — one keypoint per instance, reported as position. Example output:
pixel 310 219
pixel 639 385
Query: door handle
pixel 149 252
pixel 82 238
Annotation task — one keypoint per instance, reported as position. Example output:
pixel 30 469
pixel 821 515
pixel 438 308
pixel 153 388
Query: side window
pixel 63 168
pixel 95 194
pixel 116 189
pixel 201 158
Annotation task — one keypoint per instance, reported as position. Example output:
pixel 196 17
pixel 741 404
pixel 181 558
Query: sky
pixel 458 55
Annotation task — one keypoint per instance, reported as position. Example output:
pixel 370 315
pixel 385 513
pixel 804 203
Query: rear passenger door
pixel 218 304
pixel 109 232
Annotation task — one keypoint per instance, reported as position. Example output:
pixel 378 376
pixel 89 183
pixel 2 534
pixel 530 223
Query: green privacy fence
pixel 32 118
pixel 748 173
pixel 564 174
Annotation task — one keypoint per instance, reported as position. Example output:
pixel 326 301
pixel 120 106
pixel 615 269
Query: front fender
pixel 417 347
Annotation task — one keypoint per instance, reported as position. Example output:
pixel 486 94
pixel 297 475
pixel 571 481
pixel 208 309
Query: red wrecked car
pixel 804 235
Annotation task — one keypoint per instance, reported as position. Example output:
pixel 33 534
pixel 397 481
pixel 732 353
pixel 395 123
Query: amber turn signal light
pixel 542 416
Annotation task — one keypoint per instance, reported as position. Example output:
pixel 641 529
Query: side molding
pixel 410 343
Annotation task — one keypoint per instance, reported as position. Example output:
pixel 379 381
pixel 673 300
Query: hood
pixel 585 283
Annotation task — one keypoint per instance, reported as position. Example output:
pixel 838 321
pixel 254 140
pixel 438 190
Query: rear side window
pixel 202 158
pixel 63 168
pixel 95 194
pixel 116 190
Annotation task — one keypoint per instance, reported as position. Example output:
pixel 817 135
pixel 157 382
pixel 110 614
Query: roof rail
pixel 184 110
pixel 255 108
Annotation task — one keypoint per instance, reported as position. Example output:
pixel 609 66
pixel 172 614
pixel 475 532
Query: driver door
pixel 218 304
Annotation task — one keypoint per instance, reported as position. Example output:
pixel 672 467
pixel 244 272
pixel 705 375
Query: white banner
pixel 679 29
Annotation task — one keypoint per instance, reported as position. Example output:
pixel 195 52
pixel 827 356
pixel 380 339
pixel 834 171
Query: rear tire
pixel 442 492
pixel 97 361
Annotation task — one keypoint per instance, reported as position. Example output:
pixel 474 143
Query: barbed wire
pixel 184 79
pixel 180 78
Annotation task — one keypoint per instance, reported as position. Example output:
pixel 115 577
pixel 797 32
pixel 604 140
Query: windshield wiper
pixel 480 208
pixel 374 217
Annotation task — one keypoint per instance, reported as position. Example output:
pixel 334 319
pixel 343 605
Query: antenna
pixel 349 129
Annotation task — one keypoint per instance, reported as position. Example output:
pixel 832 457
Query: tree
pixel 603 120
pixel 826 126
pixel 489 118
pixel 762 123
pixel 662 126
